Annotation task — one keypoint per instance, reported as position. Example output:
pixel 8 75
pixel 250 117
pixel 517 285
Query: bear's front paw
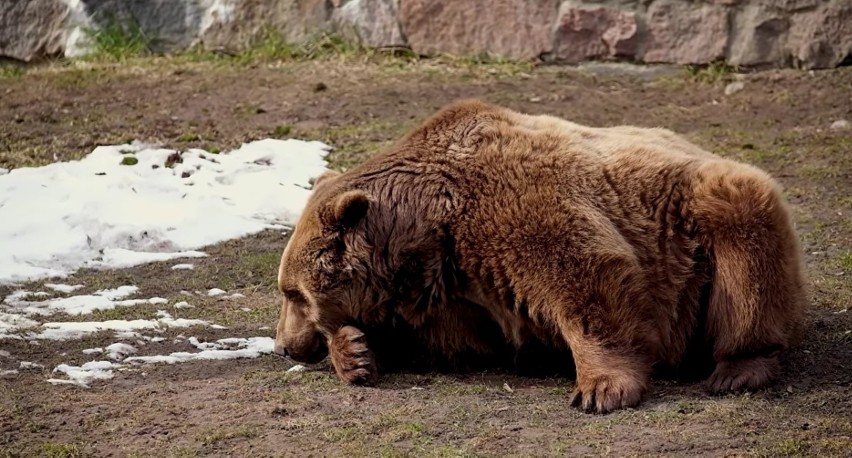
pixel 607 392
pixel 352 359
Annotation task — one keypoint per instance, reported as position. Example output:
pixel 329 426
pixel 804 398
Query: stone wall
pixel 749 33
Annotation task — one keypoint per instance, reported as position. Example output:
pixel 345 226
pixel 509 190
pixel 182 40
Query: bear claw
pixel 353 361
pixel 605 395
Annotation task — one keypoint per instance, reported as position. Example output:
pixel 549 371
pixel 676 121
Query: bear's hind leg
pixel 757 296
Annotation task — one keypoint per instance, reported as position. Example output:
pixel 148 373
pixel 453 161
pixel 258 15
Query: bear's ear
pixel 348 209
pixel 325 176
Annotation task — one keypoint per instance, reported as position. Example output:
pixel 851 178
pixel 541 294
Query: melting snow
pixel 119 351
pixel 252 347
pixel 98 213
pixel 77 305
pixel 183 267
pixel 93 351
pixel 29 365
pixel 215 292
pixel 75 330
pixel 85 374
pixel 65 289
pixel 183 305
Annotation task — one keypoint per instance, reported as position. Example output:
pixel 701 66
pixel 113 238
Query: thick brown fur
pixel 484 229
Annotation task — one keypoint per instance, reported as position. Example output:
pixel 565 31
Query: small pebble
pixel 840 124
pixel 734 87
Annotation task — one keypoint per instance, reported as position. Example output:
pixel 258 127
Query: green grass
pixel 189 137
pixel 845 261
pixel 281 131
pixel 272 46
pixel 712 73
pixel 118 40
pixel 58 450
pixel 12 71
pixel 218 435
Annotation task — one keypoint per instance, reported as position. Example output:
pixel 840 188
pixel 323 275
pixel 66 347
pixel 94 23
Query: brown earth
pixel 779 121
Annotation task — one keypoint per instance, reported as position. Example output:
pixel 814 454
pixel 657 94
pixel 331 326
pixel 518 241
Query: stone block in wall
pixel 822 37
pixel 686 33
pixel 169 25
pixel 759 36
pixel 246 21
pixel 373 22
pixel 516 29
pixel 32 29
pixel 593 32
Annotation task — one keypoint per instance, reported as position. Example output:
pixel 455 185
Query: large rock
pixel 822 38
pixel 32 29
pixel 686 33
pixel 516 29
pixel 759 36
pixel 584 33
pixel 373 22
pixel 248 20
pixel 170 25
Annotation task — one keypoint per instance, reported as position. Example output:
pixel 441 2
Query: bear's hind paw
pixel 744 374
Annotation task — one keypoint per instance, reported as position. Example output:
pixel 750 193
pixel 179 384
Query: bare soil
pixel 779 121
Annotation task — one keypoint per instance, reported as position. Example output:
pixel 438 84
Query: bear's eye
pixel 294 295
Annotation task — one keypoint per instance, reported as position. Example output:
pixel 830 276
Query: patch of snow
pixel 217 326
pixel 117 258
pixel 5 354
pixel 118 293
pixel 75 330
pixel 245 309
pixel 17 296
pixel 29 365
pixel 93 351
pixel 158 301
pixel 203 345
pixel 157 339
pixel 76 305
pixel 234 296
pixel 127 334
pixel 215 292
pixel 10 322
pixel 96 212
pixel 183 267
pixel 251 347
pixel 61 288
pixel 183 305
pixel 264 328
pixel 297 368
pixel 85 374
pixel 8 372
pixel 119 351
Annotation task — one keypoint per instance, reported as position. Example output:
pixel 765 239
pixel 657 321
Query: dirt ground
pixel 780 121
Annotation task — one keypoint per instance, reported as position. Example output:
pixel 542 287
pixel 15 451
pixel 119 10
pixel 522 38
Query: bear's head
pixel 317 275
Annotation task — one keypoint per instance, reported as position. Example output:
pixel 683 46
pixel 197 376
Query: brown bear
pixel 484 229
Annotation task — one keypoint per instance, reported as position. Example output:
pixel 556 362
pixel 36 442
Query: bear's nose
pixel 281 351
